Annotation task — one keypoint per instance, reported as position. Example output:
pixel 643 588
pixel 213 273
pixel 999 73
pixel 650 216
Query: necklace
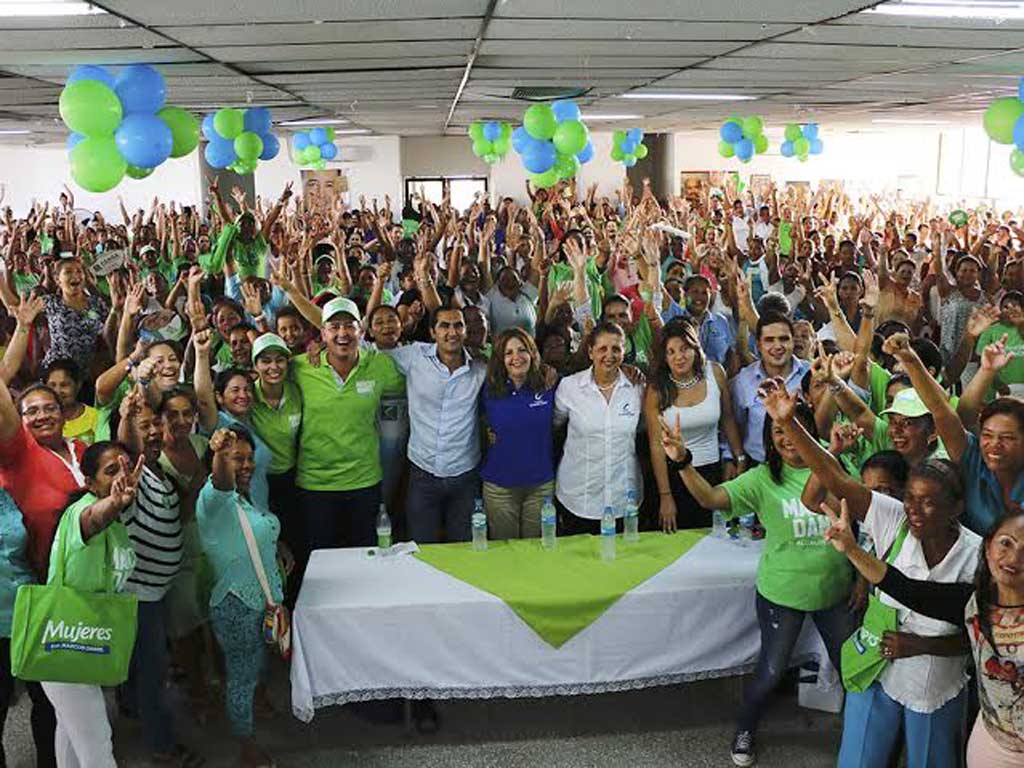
pixel 605 387
pixel 688 384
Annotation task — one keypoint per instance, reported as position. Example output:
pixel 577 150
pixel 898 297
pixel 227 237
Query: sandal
pixel 180 756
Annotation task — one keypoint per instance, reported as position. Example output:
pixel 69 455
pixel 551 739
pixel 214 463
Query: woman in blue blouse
pixel 237 602
pixel 519 469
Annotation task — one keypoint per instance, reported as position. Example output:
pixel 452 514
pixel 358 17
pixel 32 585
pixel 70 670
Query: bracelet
pixel 836 387
pixel 664 493
pixel 678 466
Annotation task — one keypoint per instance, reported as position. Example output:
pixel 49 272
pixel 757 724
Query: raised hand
pixel 994 357
pixel 840 532
pixel 898 346
pixel 982 319
pixel 126 482
pixel 843 437
pixel 251 301
pixel 134 300
pixel 202 341
pixel 842 365
pixel 672 439
pixel 222 440
pixel 779 403
pixel 870 298
pixel 29 308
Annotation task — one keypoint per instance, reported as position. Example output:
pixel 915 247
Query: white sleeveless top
pixel 700 422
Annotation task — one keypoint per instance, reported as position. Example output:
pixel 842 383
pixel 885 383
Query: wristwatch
pixel 742 458
pixel 678 466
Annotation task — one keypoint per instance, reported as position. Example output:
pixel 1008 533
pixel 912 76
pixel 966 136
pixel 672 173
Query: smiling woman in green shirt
pixel 799 574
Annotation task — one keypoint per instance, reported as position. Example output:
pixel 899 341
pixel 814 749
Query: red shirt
pixel 40 483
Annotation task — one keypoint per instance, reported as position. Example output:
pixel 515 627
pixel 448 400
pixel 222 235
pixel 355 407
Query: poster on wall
pixel 695 185
pixel 330 184
pixel 760 185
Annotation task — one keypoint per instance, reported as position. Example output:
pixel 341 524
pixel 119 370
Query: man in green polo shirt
pixel 339 470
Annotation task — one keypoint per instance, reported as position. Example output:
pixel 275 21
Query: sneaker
pixel 743 752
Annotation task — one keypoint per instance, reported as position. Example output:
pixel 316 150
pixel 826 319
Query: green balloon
pixel 90 108
pixel 802 158
pixel 491 158
pixel 629 159
pixel 330 132
pixel 540 122
pixel 752 126
pixel 96 165
pixel 249 145
pixel 312 153
pixel 567 166
pixel 793 132
pixel 320 164
pixel 570 137
pixel 725 148
pixel 184 129
pixel 242 166
pixel 1000 118
pixel 476 131
pixel 801 146
pixel 482 147
pixel 506 131
pixel 617 153
pixel 544 180
pixel 958 218
pixel 137 173
pixel 501 145
pixel 229 123
pixel 760 144
pixel 640 151
pixel 618 137
pixel 1017 162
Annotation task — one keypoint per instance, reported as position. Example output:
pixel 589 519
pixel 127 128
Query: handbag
pixel 277 622
pixel 861 656
pixel 60 634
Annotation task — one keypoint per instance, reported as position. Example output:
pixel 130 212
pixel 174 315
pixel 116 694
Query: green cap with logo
pixel 337 306
pixel 269 341
pixel 907 403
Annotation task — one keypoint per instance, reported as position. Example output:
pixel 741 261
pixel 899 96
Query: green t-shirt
pixel 101 564
pixel 878 383
pixel 250 258
pixel 333 459
pixel 24 282
pixel 798 568
pixel 278 427
pixel 104 412
pixel 1013 372
pixel 561 272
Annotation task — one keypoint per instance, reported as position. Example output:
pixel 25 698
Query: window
pixel 463 189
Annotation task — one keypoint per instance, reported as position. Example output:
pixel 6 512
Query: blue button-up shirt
pixel 443 409
pixel 715 332
pixel 748 407
pixel 984 503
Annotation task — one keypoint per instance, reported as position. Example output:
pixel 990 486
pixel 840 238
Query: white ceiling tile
pixel 801 11
pixel 328 32
pixel 631 29
pixel 607 48
pixel 340 51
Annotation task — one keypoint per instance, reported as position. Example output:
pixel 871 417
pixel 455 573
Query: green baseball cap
pixel 269 341
pixel 338 305
pixel 907 403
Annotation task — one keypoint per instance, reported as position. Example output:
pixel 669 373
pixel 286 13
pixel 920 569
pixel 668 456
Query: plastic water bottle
pixel 383 529
pixel 547 524
pixel 608 534
pixel 479 523
pixel 631 521
pixel 719 529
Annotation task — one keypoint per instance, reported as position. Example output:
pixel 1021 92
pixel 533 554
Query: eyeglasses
pixel 35 410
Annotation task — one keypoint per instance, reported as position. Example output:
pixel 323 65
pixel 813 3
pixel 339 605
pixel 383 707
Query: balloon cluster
pixel 314 147
pixel 801 141
pixel 120 125
pixel 552 142
pixel 491 140
pixel 742 137
pixel 239 138
pixel 1004 124
pixel 628 147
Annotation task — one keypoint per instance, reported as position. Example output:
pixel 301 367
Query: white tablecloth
pixel 366 628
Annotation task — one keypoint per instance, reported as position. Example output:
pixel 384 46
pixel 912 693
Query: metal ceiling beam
pixel 484 23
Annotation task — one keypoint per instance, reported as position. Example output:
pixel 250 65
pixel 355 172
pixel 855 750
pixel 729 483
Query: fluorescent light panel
pixel 13 8
pixel 688 96
pixel 951 9
pixel 612 117
pixel 314 121
pixel 908 121
pixel 14 131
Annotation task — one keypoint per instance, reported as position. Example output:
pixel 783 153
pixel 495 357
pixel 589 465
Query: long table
pixel 371 628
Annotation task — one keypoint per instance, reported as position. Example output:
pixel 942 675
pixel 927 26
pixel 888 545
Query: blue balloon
pixel 629 161
pixel 301 140
pixel 492 131
pixel 520 139
pixel 144 140
pixel 220 153
pixel 731 132
pixel 586 154
pixel 787 149
pixel 565 110
pixel 208 130
pixel 89 72
pixel 744 149
pixel 810 131
pixel 636 135
pixel 1018 133
pixel 73 139
pixel 140 89
pixel 816 146
pixel 271 146
pixel 257 120
pixel 1020 90
pixel 317 136
pixel 539 156
pixel 328 151
pixel 628 146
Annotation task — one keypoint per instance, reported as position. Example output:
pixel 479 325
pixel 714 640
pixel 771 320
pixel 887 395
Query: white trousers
pixel 84 738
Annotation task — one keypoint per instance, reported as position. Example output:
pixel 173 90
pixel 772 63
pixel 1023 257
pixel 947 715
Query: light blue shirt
pixel 278 299
pixel 984 504
pixel 259 486
pixel 443 409
pixel 715 331
pixel 749 409
pixel 14 569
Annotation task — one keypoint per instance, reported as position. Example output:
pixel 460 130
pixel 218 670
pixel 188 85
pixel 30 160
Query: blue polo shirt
pixel 984 503
pixel 521 453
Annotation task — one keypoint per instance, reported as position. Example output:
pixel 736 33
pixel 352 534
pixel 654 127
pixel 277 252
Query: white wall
pixel 441 156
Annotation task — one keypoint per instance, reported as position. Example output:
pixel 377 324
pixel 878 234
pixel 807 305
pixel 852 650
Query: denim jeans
pixel 147 675
pixel 780 628
pixel 436 501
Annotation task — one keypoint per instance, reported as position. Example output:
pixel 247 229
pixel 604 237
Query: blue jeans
pixel 780 628
pixel 148 673
pixel 433 501
pixel 871 728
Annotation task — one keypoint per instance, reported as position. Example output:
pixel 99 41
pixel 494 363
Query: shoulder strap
pixel 254 553
pixel 897 543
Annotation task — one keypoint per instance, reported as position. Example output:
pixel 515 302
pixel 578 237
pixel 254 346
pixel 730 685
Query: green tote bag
pixel 861 654
pixel 62 635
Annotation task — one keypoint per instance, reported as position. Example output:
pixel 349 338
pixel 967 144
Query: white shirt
pixel 484 303
pixel 506 313
pixel 599 465
pixel 921 683
pixel 740 232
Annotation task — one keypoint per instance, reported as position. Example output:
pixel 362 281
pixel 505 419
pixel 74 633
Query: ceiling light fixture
pixel 908 121
pixel 350 131
pixel 952 9
pixel 314 121
pixel 48 8
pixel 14 131
pixel 688 96
pixel 612 117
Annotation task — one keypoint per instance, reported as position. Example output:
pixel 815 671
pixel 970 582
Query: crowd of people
pixel 304 363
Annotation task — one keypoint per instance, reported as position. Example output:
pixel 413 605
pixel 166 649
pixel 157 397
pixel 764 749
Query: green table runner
pixel 559 592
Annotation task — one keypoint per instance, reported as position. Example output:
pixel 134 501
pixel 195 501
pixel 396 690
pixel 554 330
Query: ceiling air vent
pixel 548 93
